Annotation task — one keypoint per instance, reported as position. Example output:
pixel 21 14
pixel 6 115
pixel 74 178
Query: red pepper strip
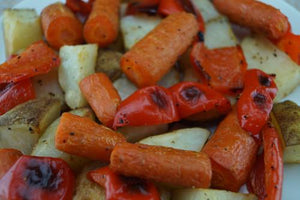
pixel 191 98
pixel 142 6
pixel 223 69
pixel 38 58
pixel 147 106
pixel 79 6
pixel 167 7
pixel 14 94
pixel 120 187
pixel 256 181
pixel 37 178
pixel 253 109
pixel 290 44
pixel 273 158
pixel 257 78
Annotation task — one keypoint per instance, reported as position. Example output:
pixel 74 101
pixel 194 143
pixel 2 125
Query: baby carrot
pixel 83 137
pixel 232 152
pixel 152 57
pixel 103 23
pixel 256 15
pixel 8 157
pixel 102 96
pixel 162 164
pixel 60 26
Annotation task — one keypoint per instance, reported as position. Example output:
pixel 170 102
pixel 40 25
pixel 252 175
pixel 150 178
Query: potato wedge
pixel 218 34
pixel 206 8
pixel 287 115
pixel 77 62
pixel 291 154
pixel 262 54
pixel 46 144
pixel 135 27
pixel 21 28
pixel 124 87
pixel 21 127
pixel 136 133
pixel 211 194
pixel 86 189
pixel 108 62
pixel 46 85
pixel 191 139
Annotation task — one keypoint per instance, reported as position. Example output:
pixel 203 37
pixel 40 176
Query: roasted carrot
pixel 60 26
pixel 162 164
pixel 256 15
pixel 290 44
pixel 152 57
pixel 37 59
pixel 102 25
pixel 83 137
pixel 8 157
pixel 102 97
pixel 232 152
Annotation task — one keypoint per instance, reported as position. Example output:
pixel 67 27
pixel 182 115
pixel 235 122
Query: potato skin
pixel 287 114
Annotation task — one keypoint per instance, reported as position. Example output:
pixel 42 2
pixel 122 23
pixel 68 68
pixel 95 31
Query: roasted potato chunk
pixel 21 127
pixel 287 114
pixel 108 62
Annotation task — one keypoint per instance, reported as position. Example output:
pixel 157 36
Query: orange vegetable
pixel 290 44
pixel 152 57
pixel 8 157
pixel 60 26
pixel 83 137
pixel 102 97
pixel 223 68
pixel 102 25
pixel 162 164
pixel 232 152
pixel 37 59
pixel 256 15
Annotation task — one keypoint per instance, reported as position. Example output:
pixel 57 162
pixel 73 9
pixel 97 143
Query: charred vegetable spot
pixel 135 7
pixel 260 100
pixel 159 98
pixel 200 36
pixel 41 175
pixel 135 185
pixel 264 80
pixel 72 134
pixel 191 94
pixel 205 74
pixel 236 90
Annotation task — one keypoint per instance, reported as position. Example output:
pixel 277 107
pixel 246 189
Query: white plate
pixel 291 183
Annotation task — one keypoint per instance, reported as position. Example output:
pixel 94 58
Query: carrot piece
pixel 83 137
pixel 60 26
pixel 152 57
pixel 102 25
pixel 256 15
pixel 102 97
pixel 232 152
pixel 8 157
pixel 290 44
pixel 162 164
pixel 37 59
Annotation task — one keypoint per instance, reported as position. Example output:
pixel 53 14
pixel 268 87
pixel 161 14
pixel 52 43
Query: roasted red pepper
pixel 80 6
pixel 13 94
pixel 142 6
pixel 191 98
pixel 147 106
pixel 37 178
pixel 167 7
pixel 266 178
pixel 290 44
pixel 38 58
pixel 118 187
pixel 256 101
pixel 223 69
